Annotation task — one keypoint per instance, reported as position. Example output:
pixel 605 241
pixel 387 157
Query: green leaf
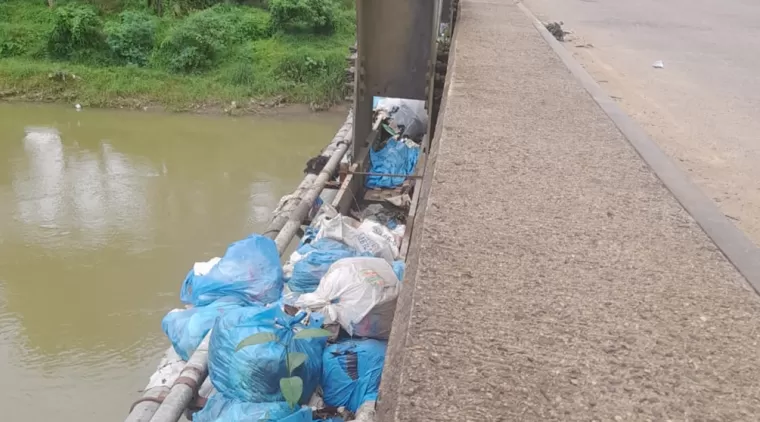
pixel 312 333
pixel 291 389
pixel 258 338
pixel 295 359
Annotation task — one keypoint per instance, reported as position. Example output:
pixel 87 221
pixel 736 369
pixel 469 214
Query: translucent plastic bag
pixel 359 294
pixel 351 372
pixel 253 373
pixel 186 328
pixel 221 409
pixel 249 270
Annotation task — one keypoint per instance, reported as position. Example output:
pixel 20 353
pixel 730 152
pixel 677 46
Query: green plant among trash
pixel 291 386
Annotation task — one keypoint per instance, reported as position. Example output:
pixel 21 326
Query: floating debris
pixel 556 29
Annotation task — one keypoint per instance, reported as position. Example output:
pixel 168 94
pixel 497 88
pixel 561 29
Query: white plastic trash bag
pixel 364 240
pixel 359 294
pixel 373 227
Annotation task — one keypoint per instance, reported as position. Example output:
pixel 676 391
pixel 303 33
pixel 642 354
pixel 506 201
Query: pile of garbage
pixel 394 156
pixel 306 341
pixel 300 343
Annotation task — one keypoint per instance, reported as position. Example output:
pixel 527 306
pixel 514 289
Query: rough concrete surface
pixel 702 108
pixel 553 276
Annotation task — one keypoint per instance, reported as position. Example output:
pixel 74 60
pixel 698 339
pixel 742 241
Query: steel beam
pixel 446 12
pixel 395 55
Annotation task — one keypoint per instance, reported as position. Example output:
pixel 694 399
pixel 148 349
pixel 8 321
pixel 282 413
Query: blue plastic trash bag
pixel 399 267
pixel 396 157
pixel 253 373
pixel 186 328
pixel 351 372
pixel 221 409
pixel 316 260
pixel 250 270
pixel 309 234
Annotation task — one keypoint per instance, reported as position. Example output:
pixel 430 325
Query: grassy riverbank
pixel 195 54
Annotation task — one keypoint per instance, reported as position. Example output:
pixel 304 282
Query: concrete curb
pixel 732 242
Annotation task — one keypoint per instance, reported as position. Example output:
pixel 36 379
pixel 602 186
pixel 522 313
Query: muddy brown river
pixel 102 213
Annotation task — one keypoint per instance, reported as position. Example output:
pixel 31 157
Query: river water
pixel 102 213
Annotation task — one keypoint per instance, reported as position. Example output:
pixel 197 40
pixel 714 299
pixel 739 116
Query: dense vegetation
pixel 177 53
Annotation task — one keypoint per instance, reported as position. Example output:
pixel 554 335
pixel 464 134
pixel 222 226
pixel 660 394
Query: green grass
pixel 250 63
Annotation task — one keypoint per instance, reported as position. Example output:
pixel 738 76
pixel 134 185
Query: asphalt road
pixel 703 108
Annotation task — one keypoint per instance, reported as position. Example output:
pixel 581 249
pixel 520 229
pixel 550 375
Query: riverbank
pixel 129 56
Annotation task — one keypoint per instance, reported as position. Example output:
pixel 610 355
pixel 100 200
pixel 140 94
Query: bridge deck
pixel 557 277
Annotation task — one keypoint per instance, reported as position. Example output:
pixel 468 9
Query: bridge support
pixel 446 12
pixel 396 45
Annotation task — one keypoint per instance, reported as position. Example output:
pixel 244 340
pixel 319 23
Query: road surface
pixel 703 108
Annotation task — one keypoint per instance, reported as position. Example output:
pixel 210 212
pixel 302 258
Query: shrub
pixel 300 67
pixel 317 16
pixel 196 44
pixel 317 76
pixel 243 23
pixel 345 22
pixel 77 33
pixel 252 25
pixel 21 40
pixel 189 5
pixel 131 37
pixel 11 42
pixel 110 6
pixel 201 39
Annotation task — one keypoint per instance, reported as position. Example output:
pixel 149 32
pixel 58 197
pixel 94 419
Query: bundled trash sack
pixel 359 294
pixel 314 260
pixel 351 372
pixel 253 373
pixel 221 409
pixel 250 270
pixel 377 229
pixel 395 157
pixel 359 236
pixel 409 116
pixel 186 328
